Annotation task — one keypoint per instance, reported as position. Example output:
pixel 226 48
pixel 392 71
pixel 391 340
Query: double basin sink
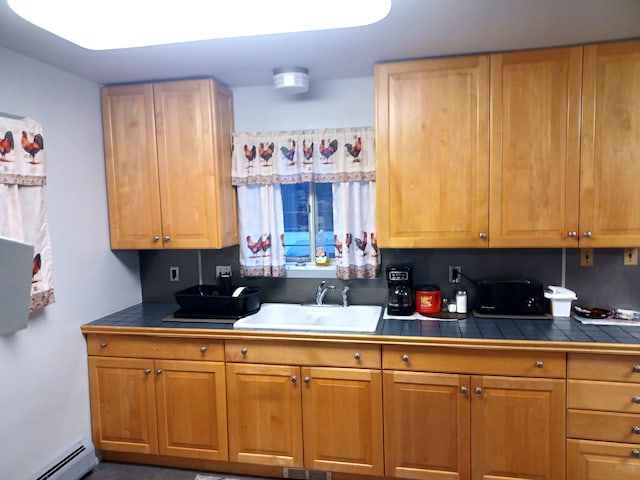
pixel 316 318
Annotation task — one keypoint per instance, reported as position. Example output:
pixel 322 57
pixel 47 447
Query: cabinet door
pixel 517 428
pixel 264 414
pixel 191 409
pixel 131 166
pixel 342 418
pixel 610 170
pixel 123 406
pixel 535 148
pixel 432 152
pixel 427 426
pixel 602 461
pixel 186 163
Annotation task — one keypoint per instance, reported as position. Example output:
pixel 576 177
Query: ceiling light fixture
pixel 291 79
pixel 116 24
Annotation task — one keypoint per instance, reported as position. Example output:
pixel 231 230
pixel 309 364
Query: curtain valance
pixel 328 156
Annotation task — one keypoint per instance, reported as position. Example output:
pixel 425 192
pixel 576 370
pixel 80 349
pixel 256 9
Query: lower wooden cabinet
pixel 452 426
pixel 603 419
pixel 313 417
pixel 158 406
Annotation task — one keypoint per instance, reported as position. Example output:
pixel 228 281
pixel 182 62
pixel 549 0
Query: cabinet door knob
pixel 156 238
pixel 636 399
pixel 294 379
pixel 482 235
pixel 103 345
pixel 158 371
pixel 405 358
pixel 203 349
pixel 635 452
pixel 244 351
pixel 573 234
pixel 464 390
pixel 479 390
pixel 539 364
pixel 587 234
pixel 166 238
pixel 147 371
pixel 636 368
pixel 307 380
pixel 357 356
pixel 636 429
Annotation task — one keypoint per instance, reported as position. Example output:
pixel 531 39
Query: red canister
pixel 428 298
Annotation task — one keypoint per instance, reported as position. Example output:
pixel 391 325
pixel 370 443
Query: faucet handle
pixel 345 298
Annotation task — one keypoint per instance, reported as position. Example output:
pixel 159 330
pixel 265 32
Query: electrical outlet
pixel 174 274
pixel 454 278
pixel 223 270
pixel 586 257
pixel 631 256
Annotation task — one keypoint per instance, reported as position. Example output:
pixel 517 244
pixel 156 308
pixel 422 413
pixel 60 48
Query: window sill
pixel 310 270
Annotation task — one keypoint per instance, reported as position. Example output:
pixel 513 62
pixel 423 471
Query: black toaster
pixel 510 297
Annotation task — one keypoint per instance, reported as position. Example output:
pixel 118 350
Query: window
pixel 308 220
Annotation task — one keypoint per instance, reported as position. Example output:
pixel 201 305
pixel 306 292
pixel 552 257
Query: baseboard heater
pixel 72 464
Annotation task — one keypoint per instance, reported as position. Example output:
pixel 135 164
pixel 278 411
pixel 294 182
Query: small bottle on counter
pixel 452 306
pixel 461 301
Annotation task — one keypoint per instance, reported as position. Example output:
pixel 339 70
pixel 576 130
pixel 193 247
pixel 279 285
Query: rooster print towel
pixel 23 214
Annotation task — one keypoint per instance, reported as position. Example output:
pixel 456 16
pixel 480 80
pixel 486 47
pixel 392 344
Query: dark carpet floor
pixel 123 471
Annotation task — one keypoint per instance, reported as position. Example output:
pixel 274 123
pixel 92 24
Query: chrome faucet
pixel 345 298
pixel 322 291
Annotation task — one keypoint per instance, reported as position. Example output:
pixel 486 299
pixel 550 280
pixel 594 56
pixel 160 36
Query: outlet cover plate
pixel 631 256
pixel 223 270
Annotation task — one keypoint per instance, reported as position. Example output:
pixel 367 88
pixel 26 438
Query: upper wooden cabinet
pixel 168 165
pixel 610 157
pixel 563 142
pixel 432 152
pixel 535 148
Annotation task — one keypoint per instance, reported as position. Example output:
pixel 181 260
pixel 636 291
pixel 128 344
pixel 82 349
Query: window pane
pixel 324 217
pixel 295 199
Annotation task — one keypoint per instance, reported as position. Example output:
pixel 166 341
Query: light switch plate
pixel 631 256
pixel 586 257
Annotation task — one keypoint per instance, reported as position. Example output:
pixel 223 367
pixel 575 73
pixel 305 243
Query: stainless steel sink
pixel 324 318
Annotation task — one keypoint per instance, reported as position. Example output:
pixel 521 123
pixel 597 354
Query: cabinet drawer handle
pixel 307 380
pixel 573 234
pixel 103 345
pixel 635 452
pixel 405 358
pixel 636 429
pixel 294 379
pixel 479 390
pixel 166 238
pixel 587 234
pixel 147 371
pixel 636 399
pixel 636 368
pixel 158 371
pixel 482 235
pixel 203 349
pixel 464 390
pixel 244 351
pixel 357 356
pixel 156 238
pixel 539 364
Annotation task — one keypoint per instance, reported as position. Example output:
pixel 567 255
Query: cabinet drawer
pixel 606 396
pixel 611 368
pixel 295 353
pixel 165 348
pixel 606 426
pixel 483 362
pixel 597 460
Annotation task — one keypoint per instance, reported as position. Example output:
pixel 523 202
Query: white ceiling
pixel 413 29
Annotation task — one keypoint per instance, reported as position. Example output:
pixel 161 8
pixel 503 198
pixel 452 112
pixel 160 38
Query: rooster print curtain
pixel 23 214
pixel 344 157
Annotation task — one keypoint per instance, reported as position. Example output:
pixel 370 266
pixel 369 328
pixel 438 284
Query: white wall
pixel 329 104
pixel 44 399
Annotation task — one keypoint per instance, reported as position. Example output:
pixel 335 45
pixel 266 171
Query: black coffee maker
pixel 400 282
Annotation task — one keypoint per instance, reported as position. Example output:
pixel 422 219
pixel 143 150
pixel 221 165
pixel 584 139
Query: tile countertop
pixel 158 318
